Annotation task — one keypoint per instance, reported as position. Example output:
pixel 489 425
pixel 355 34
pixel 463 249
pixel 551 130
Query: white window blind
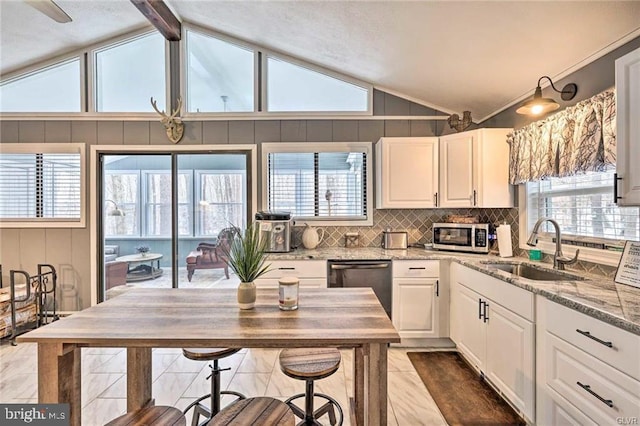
pixel 38 186
pixel 328 185
pixel 583 206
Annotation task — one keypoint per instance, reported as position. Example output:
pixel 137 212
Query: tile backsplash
pixel 417 222
pixel 419 225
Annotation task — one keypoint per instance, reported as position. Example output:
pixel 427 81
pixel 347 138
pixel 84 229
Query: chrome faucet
pixel 559 261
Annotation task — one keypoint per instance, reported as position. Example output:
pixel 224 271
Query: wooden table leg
pixel 358 384
pixel 138 378
pixel 377 384
pixel 59 377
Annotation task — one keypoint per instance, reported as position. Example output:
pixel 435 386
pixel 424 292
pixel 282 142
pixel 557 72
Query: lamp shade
pixel 538 106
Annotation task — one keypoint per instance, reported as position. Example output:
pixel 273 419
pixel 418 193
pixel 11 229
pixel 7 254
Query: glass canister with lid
pixel 288 289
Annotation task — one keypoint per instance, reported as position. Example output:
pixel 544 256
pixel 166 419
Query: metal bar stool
pixel 157 415
pixel 255 411
pixel 210 354
pixel 310 364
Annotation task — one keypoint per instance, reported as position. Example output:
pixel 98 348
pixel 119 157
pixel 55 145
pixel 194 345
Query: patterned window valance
pixel 578 139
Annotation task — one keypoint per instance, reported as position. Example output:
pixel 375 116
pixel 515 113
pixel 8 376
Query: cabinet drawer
pixel 598 390
pixel 624 352
pixel 508 295
pixel 416 268
pixel 297 268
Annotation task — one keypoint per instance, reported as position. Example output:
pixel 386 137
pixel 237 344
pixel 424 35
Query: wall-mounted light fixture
pixel 539 105
pixel 116 211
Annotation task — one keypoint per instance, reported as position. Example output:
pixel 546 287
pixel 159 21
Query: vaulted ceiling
pixel 455 56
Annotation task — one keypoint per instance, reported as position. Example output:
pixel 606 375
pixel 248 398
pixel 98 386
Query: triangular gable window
pixel 220 75
pixel 129 73
pixel 292 88
pixel 52 89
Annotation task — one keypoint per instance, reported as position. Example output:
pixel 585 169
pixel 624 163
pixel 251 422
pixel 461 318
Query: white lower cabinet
pixel 587 370
pixel 311 273
pixel 490 330
pixel 416 299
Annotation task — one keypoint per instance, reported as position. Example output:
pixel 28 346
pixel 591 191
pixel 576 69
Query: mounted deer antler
pixel 174 126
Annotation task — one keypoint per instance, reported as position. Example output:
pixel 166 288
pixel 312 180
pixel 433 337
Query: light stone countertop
pixel 596 296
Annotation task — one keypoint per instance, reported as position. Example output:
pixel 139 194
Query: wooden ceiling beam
pixel 159 14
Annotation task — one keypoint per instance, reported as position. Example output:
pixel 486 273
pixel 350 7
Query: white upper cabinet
pixel 474 169
pixel 628 132
pixel 406 172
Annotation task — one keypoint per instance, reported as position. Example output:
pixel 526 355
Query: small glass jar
pixel 288 287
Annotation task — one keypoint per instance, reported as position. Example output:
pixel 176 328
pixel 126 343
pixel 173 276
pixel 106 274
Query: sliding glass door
pixel 162 215
pixel 217 200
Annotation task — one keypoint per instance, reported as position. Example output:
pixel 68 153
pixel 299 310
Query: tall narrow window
pixel 220 75
pixel 158 204
pixel 328 183
pixel 295 88
pixel 42 186
pixel 52 89
pixel 128 74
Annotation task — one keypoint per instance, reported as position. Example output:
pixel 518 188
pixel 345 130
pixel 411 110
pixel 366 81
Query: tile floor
pixel 177 381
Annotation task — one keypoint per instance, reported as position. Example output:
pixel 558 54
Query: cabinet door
pixel 491 169
pixel 407 172
pixel 415 307
pixel 456 170
pixel 510 356
pixel 628 128
pixel 471 331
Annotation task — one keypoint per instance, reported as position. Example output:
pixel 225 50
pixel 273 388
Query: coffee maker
pixel 275 228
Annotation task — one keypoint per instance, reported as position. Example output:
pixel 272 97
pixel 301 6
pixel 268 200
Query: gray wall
pixel 591 79
pixel 68 249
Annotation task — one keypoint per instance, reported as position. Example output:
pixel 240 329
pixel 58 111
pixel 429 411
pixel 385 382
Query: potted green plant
pixel 246 255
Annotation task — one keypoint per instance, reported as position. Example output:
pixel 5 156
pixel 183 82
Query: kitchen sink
pixel 533 273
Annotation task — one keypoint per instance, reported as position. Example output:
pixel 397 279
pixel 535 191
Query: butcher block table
pixel 146 318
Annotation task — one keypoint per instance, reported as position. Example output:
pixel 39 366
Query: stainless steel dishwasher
pixel 375 274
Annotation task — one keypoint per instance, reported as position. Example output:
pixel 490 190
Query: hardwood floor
pixel 177 381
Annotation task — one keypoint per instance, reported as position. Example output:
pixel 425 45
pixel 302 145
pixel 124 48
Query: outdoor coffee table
pixel 141 267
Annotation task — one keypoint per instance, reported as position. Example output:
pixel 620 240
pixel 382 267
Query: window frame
pixel 197 191
pixel 260 80
pixel 92 91
pixel 44 66
pixel 145 204
pixel 183 72
pixel 138 203
pixel 264 95
pixel 51 148
pixel 547 246
pixel 305 147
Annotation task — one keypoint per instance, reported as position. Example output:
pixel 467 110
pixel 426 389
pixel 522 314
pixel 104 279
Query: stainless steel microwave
pixel 466 237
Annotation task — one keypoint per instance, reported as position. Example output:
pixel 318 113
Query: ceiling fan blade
pixel 49 8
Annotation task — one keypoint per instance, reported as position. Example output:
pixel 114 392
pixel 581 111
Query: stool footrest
pixel 326 408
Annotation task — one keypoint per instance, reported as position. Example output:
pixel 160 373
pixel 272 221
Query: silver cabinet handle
pixel 607 402
pixel 588 334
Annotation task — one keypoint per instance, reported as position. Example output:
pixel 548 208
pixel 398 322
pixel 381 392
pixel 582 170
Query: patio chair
pixel 210 255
